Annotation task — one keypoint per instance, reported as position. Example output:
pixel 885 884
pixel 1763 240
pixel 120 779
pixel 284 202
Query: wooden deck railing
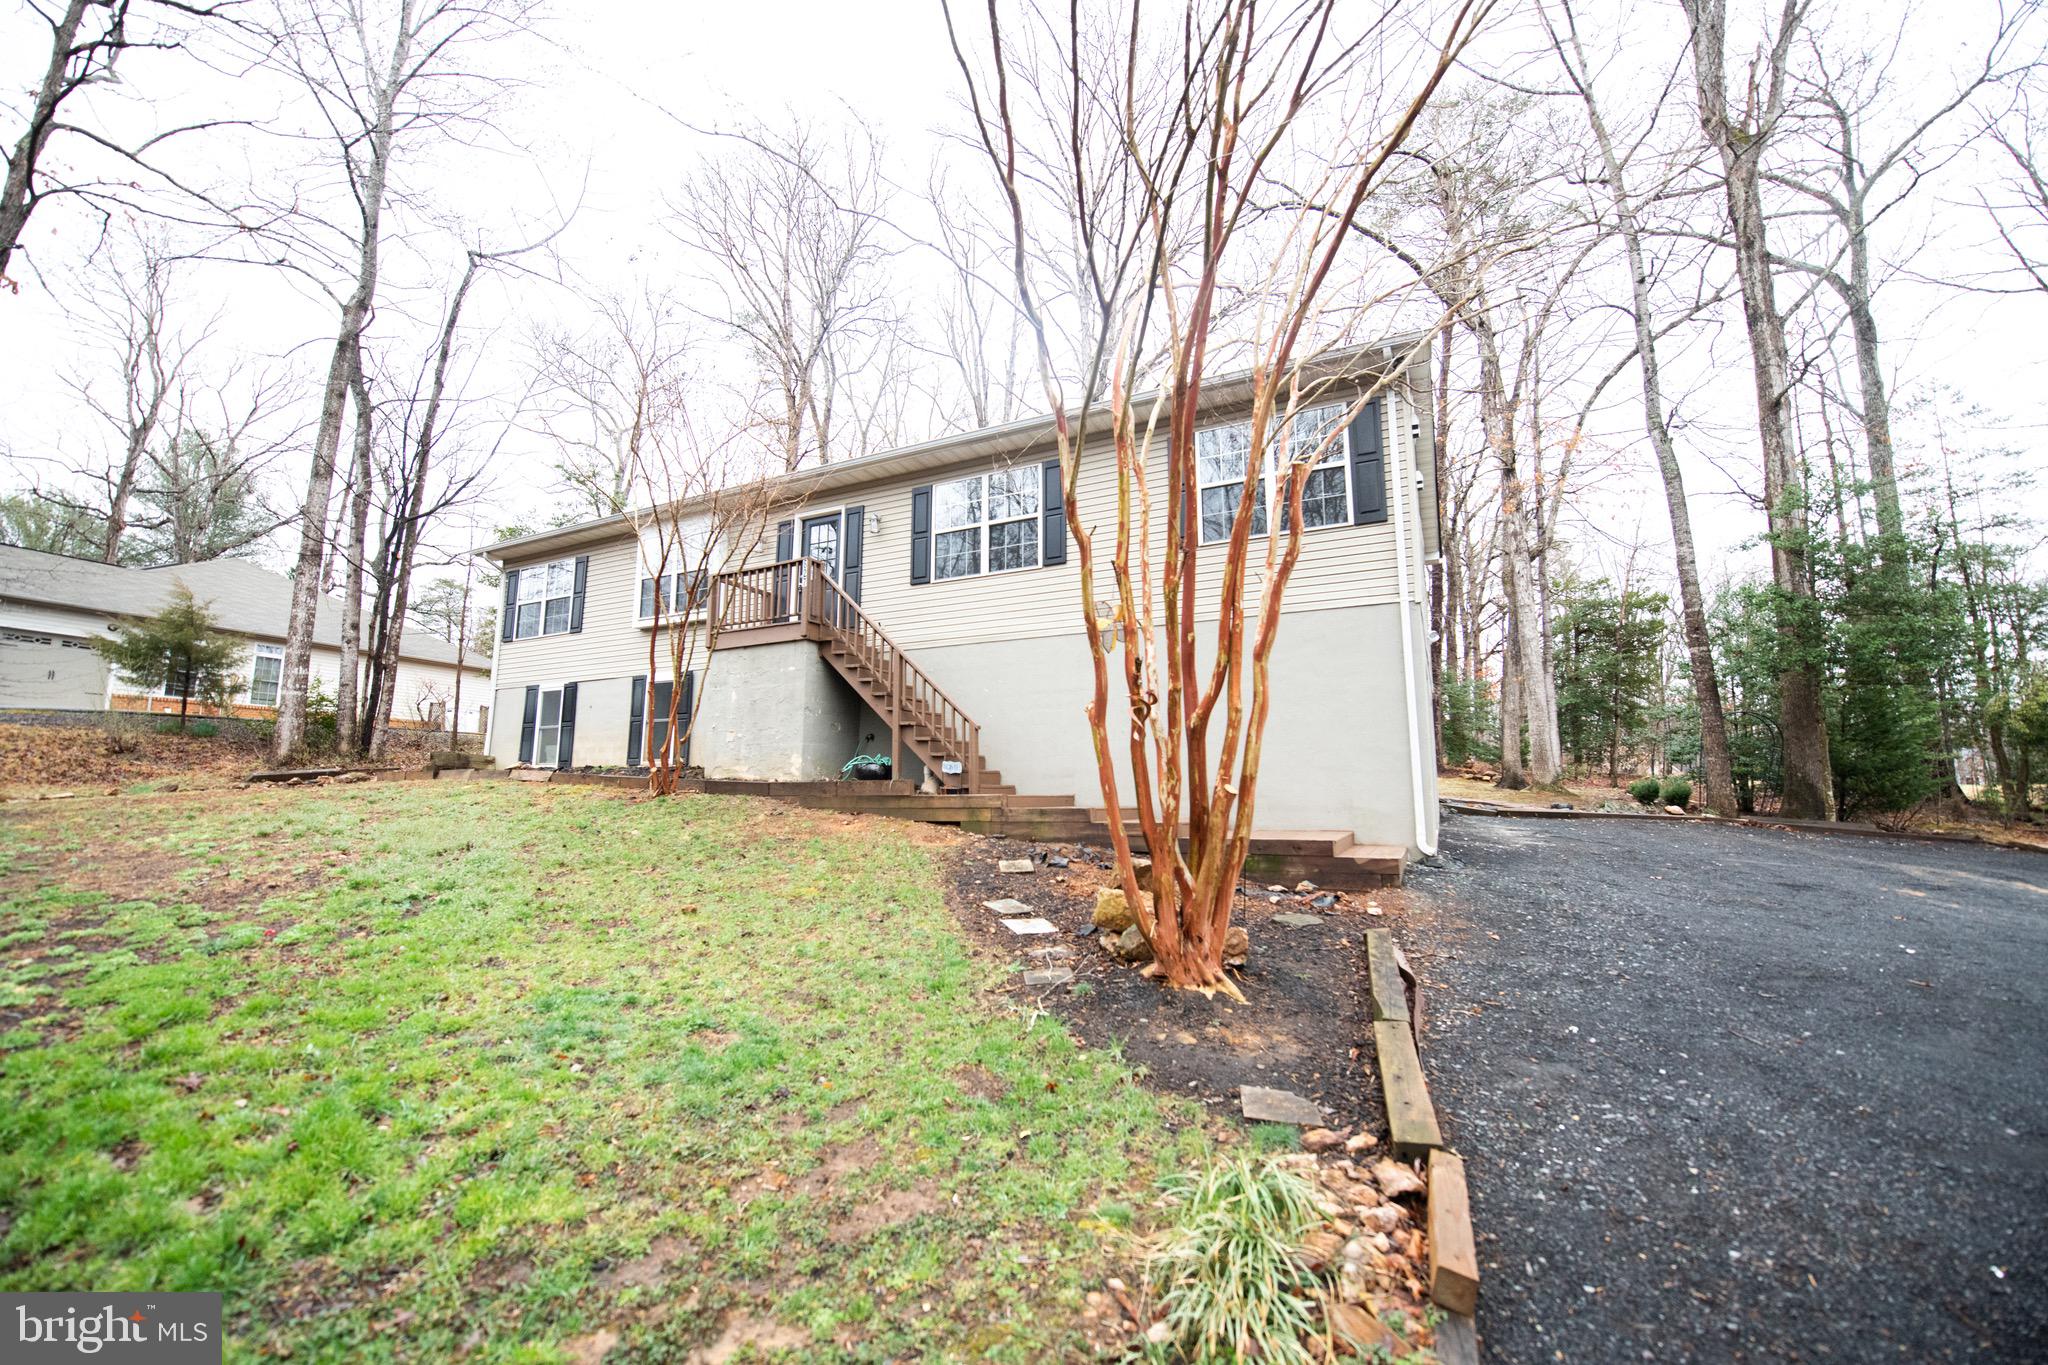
pixel 802 593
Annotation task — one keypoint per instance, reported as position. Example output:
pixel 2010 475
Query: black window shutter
pixel 1368 468
pixel 636 728
pixel 646 598
pixel 921 534
pixel 852 541
pixel 511 611
pixel 568 725
pixel 576 602
pixel 526 724
pixel 1052 527
pixel 684 712
pixel 785 540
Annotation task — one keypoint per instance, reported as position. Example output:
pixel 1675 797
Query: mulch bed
pixel 1305 1024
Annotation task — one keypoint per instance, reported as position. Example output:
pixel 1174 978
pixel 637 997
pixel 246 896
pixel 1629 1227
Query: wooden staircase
pixel 797 599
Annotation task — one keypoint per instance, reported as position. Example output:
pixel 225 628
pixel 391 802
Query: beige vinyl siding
pixel 1340 566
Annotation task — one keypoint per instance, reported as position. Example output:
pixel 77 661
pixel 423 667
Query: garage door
pixel 57 671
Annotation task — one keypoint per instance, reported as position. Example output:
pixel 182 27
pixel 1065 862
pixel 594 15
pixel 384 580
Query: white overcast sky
pixel 604 115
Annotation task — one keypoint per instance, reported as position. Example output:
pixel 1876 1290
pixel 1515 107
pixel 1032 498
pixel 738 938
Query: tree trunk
pixel 1513 775
pixel 17 199
pixel 1808 786
pixel 348 730
pixel 1715 754
pixel 355 313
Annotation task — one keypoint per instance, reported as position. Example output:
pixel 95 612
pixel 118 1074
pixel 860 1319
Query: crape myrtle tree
pixel 704 518
pixel 1222 154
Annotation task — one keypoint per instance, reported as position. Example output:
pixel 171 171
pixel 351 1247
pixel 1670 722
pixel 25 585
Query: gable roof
pixel 244 599
pixel 1033 435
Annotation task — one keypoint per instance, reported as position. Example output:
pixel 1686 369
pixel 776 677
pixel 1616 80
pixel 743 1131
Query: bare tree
pixel 381 77
pixel 1626 206
pixel 1740 137
pixel 87 39
pixel 706 515
pixel 2019 212
pixel 597 392
pixel 790 223
pixel 1203 117
pixel 1856 179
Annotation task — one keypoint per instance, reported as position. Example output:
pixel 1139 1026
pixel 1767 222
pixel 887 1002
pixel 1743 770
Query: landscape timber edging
pixel 1412 1128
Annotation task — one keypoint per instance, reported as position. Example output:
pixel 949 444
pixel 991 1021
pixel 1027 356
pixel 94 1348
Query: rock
pixel 1131 946
pixel 1325 901
pixel 1159 1333
pixel 1320 1249
pixel 1394 1179
pixel 1277 890
pixel 1363 1142
pixel 1058 860
pixel 1560 805
pixel 353 777
pixel 1674 810
pixel 1237 945
pixel 1320 1140
pixel 1263 1105
pixel 1381 1219
pixel 1296 921
pixel 1304 888
pixel 1150 970
pixel 166 787
pixel 1113 912
pixel 1015 865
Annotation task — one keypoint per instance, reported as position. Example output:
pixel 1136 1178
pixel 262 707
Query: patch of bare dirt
pixel 980 1082
pixel 742 1331
pixel 645 1272
pixel 886 1211
pixel 1305 1024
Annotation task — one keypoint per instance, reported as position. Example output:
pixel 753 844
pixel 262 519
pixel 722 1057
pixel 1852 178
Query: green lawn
pixel 416 1071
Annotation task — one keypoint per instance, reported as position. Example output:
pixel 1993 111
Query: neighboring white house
pixel 53 606
pixel 969 654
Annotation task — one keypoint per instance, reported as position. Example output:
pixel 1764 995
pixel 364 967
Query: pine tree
pixel 180 647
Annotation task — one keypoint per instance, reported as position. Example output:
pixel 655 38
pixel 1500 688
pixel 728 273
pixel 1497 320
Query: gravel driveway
pixel 1742 1095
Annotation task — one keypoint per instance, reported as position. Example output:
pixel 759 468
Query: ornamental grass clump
pixel 1230 1274
pixel 1645 790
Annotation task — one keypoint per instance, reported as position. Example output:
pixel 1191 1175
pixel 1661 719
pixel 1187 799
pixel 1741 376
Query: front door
pixel 821 542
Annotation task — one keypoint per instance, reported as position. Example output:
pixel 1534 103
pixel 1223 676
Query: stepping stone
pixel 1033 925
pixel 1015 865
pixel 1051 976
pixel 1007 906
pixel 1262 1105
pixel 1057 950
pixel 1295 921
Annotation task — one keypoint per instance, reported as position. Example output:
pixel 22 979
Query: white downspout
pixel 1400 491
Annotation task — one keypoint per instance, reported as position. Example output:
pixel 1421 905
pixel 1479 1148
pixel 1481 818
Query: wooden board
pixel 1453 1262
pixel 1389 994
pixel 1411 1119
pixel 1457 1340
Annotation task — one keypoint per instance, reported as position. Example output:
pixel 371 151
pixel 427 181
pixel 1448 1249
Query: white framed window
pixel 546 595
pixel 986 523
pixel 547 729
pixel 688 566
pixel 266 671
pixel 1221 454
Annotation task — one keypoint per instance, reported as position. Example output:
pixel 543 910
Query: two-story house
pixel 925 603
